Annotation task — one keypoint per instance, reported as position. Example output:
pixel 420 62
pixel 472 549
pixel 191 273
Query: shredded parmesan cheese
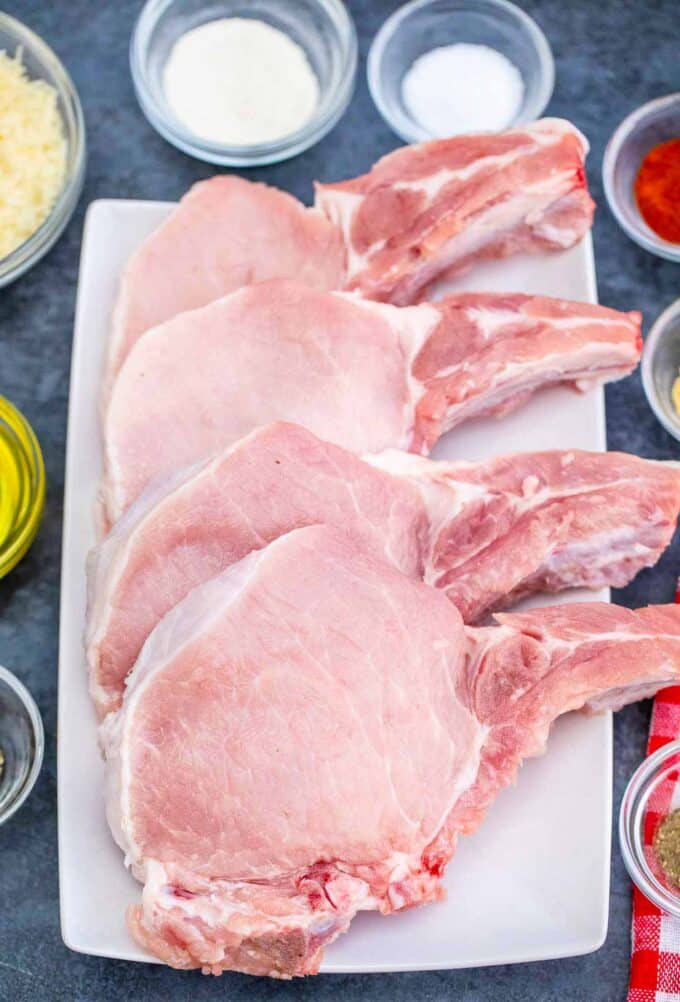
pixel 32 152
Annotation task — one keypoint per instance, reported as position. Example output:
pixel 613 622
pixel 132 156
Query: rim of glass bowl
pixel 331 106
pixel 630 831
pixel 643 236
pixel 410 131
pixel 34 247
pixel 24 532
pixel 31 707
pixel 651 344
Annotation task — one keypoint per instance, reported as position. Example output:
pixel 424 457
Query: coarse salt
pixel 462 88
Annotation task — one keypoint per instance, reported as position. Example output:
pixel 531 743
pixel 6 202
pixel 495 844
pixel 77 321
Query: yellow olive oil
pixel 22 486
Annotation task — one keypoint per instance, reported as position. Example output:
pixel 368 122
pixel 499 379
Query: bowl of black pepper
pixel 21 744
pixel 649 828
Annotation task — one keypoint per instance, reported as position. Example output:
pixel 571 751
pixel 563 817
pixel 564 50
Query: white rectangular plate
pixel 533 883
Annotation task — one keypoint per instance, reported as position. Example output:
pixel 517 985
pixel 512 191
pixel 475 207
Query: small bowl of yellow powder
pixel 661 368
pixel 42 148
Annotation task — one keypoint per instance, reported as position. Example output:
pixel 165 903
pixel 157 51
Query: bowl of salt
pixel 441 68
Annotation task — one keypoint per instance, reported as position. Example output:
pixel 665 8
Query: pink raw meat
pixel 225 233
pixel 428 211
pixel 487 533
pixel 422 211
pixel 306 735
pixel 366 376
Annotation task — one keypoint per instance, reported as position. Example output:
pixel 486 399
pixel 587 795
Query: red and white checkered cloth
pixel 655 947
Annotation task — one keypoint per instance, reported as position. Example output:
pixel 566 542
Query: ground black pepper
pixel 667 847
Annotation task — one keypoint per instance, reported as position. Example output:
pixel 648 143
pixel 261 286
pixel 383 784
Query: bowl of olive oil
pixel 22 486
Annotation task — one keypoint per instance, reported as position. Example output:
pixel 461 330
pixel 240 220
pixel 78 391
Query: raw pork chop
pixel 486 533
pixel 363 375
pixel 421 211
pixel 306 735
pixel 427 211
pixel 225 233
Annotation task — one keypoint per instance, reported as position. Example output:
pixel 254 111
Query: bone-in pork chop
pixel 225 233
pixel 363 375
pixel 306 735
pixel 420 212
pixel 429 211
pixel 487 533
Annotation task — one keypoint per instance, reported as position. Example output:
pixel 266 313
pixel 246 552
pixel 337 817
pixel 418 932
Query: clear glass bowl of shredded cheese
pixel 42 148
pixel 240 84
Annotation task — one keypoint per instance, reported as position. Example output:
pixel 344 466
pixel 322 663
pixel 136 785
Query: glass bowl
pixel 651 124
pixel 41 63
pixel 423 25
pixel 22 742
pixel 647 800
pixel 22 486
pixel 661 365
pixel 324 30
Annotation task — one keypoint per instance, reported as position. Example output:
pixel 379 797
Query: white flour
pixel 462 88
pixel 239 81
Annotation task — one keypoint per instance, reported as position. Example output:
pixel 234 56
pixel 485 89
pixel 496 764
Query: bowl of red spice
pixel 641 173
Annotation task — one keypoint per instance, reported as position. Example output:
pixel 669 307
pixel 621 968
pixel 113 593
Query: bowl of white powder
pixel 440 68
pixel 243 83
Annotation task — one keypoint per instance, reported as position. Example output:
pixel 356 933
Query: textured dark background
pixel 611 56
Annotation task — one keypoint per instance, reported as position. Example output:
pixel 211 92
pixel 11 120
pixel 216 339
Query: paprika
pixel 657 190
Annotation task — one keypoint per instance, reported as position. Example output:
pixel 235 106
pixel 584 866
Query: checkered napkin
pixel 655 946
